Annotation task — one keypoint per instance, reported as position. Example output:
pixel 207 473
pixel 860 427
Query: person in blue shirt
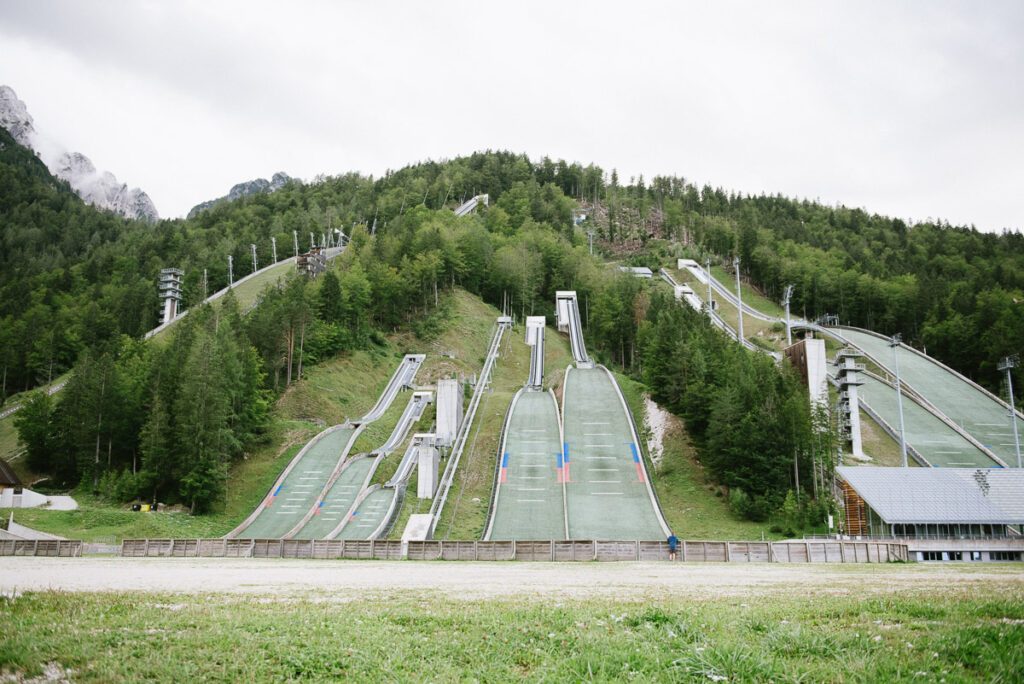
pixel 673 544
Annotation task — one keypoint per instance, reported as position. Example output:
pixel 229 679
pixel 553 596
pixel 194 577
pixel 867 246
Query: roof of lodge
pixel 992 496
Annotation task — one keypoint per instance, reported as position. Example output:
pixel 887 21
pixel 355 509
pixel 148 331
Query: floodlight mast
pixel 1007 364
pixel 273 247
pixel 739 300
pixel 895 344
pixel 707 276
pixel 231 270
pixel 295 241
pixel 252 247
pixel 785 302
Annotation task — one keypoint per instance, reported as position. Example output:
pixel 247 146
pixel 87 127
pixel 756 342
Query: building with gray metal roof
pixel 933 502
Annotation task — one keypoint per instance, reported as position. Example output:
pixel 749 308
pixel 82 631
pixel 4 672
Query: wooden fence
pixel 691 551
pixel 40 547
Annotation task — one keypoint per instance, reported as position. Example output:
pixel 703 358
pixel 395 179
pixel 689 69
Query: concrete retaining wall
pixel 693 551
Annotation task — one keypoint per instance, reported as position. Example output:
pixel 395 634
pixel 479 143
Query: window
pixel 1003 555
pixel 931 555
pixel 956 555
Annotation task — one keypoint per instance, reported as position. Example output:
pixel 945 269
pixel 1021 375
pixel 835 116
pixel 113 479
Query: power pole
pixel 273 246
pixel 231 270
pixel 590 235
pixel 295 240
pixel 739 299
pixel 252 247
pixel 785 302
pixel 1007 364
pixel 206 284
pixel 895 344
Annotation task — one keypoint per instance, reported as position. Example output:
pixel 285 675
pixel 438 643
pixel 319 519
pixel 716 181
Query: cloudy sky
pixel 909 109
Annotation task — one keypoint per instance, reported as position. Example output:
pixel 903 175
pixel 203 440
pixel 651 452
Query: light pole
pixel 273 247
pixel 1007 364
pixel 707 276
pixel 252 247
pixel 739 299
pixel 895 344
pixel 785 302
pixel 295 242
pixel 231 270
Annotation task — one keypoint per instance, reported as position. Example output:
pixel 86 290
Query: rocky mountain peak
pixel 244 189
pixel 15 118
pixel 101 189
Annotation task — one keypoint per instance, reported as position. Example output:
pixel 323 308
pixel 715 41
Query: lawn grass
pixel 751 297
pixel 876 443
pixel 246 293
pixel 967 635
pixel 691 502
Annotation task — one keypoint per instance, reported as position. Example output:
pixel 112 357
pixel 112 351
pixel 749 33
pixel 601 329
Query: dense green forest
pixel 952 290
pixel 77 286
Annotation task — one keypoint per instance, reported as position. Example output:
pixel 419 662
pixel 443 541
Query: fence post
pixel 595 549
pixel 684 550
pixel 513 549
pixel 145 549
pixel 638 549
pixel 551 548
pixel 771 553
pixel 807 550
pixel 373 548
pixel 842 551
pixel 728 555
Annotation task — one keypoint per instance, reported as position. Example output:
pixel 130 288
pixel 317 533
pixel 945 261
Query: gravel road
pixel 350 579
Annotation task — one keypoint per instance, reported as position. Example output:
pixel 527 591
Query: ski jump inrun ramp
pixel 302 491
pixel 579 477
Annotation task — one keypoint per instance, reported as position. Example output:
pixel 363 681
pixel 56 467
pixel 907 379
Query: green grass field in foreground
pixel 968 636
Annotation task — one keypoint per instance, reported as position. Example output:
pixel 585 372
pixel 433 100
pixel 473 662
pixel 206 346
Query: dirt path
pixel 349 579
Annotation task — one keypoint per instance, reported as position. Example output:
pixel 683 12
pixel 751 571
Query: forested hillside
pixel 954 290
pixel 78 285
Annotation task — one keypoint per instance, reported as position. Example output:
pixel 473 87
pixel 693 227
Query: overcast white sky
pixel 908 109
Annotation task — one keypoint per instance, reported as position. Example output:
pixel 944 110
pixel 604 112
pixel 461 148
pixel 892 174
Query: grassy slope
pixel 768 335
pixel 876 442
pixel 691 503
pixel 465 511
pixel 750 296
pixel 950 635
pixel 458 352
